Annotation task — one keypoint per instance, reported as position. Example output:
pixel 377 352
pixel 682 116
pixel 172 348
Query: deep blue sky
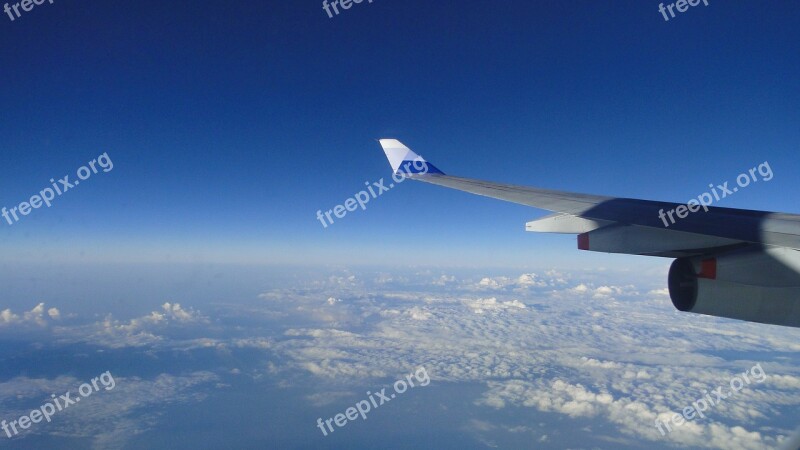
pixel 231 124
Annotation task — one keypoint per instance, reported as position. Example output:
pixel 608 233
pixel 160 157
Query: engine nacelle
pixel 761 285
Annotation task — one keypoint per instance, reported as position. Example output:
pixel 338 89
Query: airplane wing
pixel 751 249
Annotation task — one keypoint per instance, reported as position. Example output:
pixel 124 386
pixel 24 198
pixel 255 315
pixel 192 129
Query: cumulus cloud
pixel 418 313
pixel 6 317
pixel 148 329
pixel 174 311
pixel 531 279
pixel 633 416
pixel 491 283
pixel 444 280
pixel 482 305
pixel 39 315
pixel 524 282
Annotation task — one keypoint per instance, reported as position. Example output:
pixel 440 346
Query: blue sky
pixel 229 127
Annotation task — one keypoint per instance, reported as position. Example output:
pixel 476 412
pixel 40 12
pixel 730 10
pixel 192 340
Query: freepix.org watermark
pixel 59 403
pixel 714 398
pixel 25 5
pixel 681 5
pixel 362 407
pixel 721 191
pixel 336 4
pixel 375 189
pixel 47 195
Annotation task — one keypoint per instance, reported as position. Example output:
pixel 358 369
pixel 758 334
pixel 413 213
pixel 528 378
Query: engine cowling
pixel 757 285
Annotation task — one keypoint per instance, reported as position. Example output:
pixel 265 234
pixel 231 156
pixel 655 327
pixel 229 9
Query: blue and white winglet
pixel 403 160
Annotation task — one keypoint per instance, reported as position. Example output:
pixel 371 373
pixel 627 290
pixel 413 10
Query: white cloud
pixel 54 313
pixel 6 317
pixel 418 313
pixel 489 283
pixel 531 279
pixel 482 305
pixel 176 312
pixel 38 315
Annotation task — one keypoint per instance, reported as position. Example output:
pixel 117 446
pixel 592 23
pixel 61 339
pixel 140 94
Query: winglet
pixel 402 159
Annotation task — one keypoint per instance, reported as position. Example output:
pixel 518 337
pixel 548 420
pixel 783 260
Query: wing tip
pixel 403 159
